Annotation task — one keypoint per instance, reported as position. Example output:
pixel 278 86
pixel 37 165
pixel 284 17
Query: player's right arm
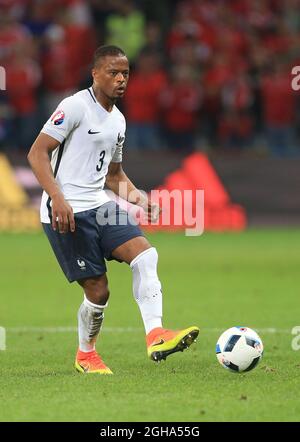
pixel 38 157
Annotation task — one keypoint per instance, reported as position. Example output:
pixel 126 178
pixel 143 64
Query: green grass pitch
pixel 214 281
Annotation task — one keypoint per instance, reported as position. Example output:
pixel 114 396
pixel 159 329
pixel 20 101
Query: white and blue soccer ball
pixel 239 349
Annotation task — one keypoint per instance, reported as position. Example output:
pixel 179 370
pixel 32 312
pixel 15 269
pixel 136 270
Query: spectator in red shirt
pixel 279 109
pixel 58 80
pixel 235 128
pixel 12 34
pixel 180 102
pixel 69 46
pixel 216 76
pixel 141 102
pixel 23 78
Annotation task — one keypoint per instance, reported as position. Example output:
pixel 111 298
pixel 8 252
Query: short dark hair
pixel 105 50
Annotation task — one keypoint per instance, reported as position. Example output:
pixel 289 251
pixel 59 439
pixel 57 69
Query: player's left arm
pixel 120 184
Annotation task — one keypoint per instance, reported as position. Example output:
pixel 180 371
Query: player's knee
pixel 101 294
pixel 96 291
pixel 147 259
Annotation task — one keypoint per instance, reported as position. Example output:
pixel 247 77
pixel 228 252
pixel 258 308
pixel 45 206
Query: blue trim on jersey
pixel 91 95
pixel 59 157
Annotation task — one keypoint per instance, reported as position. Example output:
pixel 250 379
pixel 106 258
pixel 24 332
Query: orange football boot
pixel 162 342
pixel 90 363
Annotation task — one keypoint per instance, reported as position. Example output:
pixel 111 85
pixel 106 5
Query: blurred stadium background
pixel 212 79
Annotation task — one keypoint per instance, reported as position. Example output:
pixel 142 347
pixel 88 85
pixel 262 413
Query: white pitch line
pixel 67 329
pixel 258 330
pixel 71 329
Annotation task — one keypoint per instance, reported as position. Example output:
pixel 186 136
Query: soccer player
pixel 85 135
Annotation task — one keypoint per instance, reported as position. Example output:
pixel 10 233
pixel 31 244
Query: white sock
pixel 147 288
pixel 90 318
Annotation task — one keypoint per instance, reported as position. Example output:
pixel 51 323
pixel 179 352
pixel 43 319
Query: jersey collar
pixel 93 96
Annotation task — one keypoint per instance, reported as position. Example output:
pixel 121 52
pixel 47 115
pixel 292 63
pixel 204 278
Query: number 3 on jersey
pixel 101 161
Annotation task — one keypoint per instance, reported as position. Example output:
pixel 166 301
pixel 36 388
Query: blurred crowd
pixel 204 73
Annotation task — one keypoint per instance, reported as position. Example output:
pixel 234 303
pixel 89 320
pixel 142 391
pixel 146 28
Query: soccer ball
pixel 239 349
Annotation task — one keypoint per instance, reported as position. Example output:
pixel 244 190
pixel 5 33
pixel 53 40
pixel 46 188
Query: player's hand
pixel 152 211
pixel 62 215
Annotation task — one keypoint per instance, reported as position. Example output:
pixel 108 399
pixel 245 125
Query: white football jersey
pixel 90 138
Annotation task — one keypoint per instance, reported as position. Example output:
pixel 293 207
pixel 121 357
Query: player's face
pixel 111 76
